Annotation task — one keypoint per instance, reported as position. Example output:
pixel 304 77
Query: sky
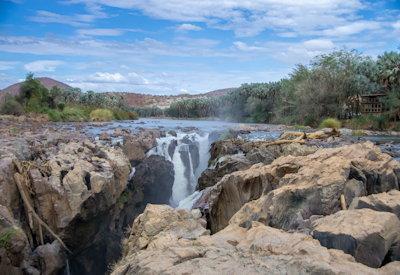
pixel 183 46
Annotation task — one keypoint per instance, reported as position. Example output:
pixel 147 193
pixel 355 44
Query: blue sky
pixel 179 46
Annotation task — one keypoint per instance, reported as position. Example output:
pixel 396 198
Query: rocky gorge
pixel 98 199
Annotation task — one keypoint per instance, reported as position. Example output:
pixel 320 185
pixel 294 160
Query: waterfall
pixel 204 152
pixel 178 151
pixel 179 189
pixel 188 202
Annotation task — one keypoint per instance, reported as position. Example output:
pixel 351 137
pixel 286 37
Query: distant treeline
pixel 329 87
pixel 65 105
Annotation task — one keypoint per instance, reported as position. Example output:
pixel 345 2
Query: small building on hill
pixel 373 104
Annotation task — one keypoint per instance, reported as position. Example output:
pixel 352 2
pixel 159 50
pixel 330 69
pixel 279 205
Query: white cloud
pixel 188 27
pixel 43 65
pixel 105 31
pixel 138 49
pixel 246 48
pixel 352 28
pixel 319 44
pixel 248 18
pixel 101 77
pixel 100 32
pixel 396 25
pixel 7 65
pixel 76 20
pixel 131 78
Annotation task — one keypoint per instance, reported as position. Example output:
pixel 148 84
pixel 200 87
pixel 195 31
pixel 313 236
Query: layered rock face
pixel 228 156
pixel 169 241
pixel 292 189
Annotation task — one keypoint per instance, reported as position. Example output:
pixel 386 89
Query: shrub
pixel 124 115
pixel 330 123
pixel 6 236
pixel 101 115
pixel 74 114
pixel 11 107
pixel 55 115
pixel 360 122
pixel 380 122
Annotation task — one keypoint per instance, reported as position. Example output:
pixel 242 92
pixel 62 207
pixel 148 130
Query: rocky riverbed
pixel 164 197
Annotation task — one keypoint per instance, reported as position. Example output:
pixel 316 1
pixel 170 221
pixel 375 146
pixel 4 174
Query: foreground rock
pixel 74 187
pixel 292 189
pixel 370 236
pixel 387 201
pixel 168 241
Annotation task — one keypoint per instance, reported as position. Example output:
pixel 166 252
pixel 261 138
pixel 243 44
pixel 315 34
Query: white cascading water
pixel 183 195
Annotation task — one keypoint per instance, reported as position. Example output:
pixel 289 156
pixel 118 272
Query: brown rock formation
pixel 168 241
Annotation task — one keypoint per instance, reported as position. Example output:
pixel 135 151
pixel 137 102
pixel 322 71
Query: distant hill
pixel 164 101
pixel 47 82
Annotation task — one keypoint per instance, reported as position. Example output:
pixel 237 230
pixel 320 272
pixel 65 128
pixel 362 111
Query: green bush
pixel 330 123
pixel 11 107
pixel 120 114
pixel 380 122
pixel 360 122
pixel 101 115
pixel 74 114
pixel 54 115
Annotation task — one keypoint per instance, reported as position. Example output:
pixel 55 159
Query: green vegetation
pixel 65 105
pixel 329 87
pixel 11 107
pixel 330 123
pixel 6 236
pixel 101 115
pixel 149 111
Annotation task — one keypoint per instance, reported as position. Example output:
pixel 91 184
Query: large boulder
pixel 370 236
pixel 228 156
pixel 161 223
pixel 82 179
pixel 386 201
pixel 136 146
pixel 51 257
pixel 307 185
pixel 169 241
